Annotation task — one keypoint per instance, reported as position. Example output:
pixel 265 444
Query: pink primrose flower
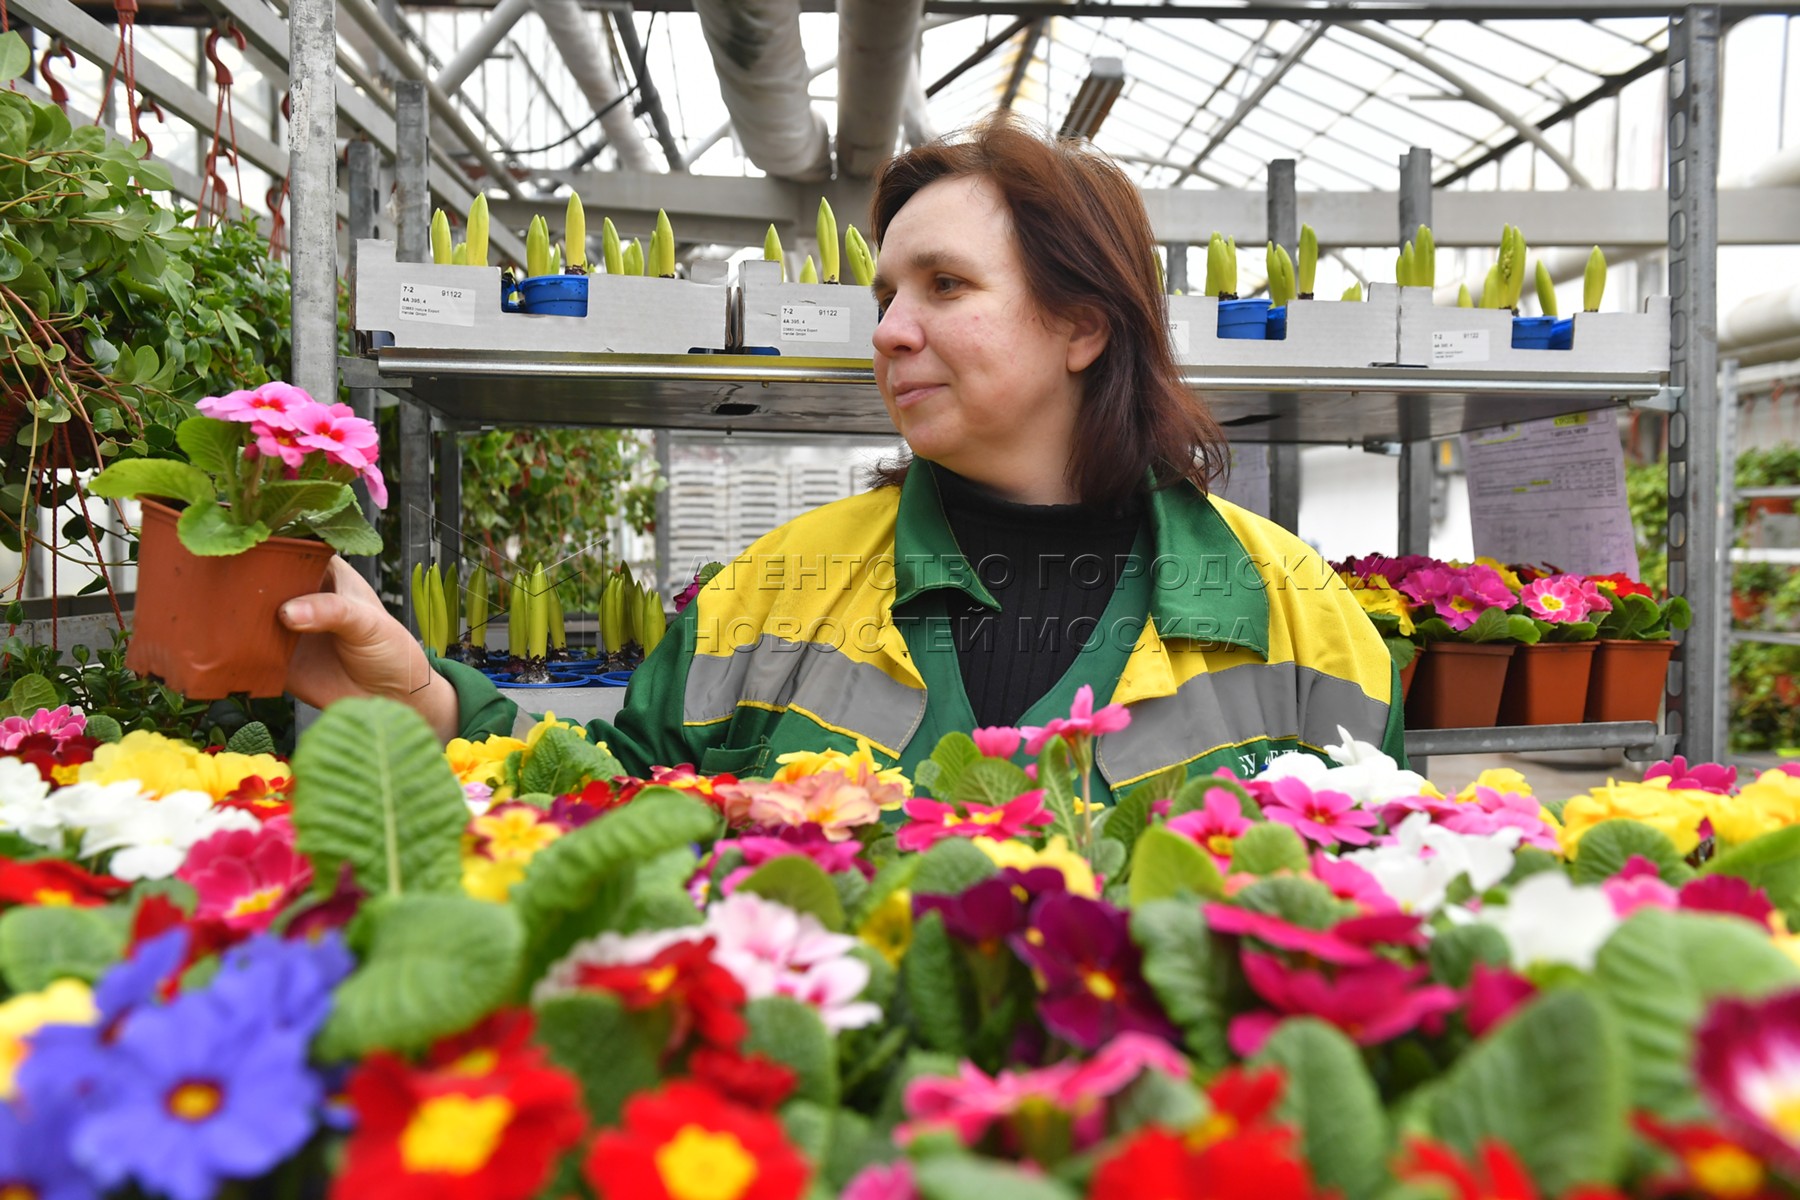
pixel 1559 599
pixel 933 820
pixel 827 799
pixel 1372 1003
pixel 1747 1060
pixel 61 723
pixel 1082 721
pixel 809 841
pixel 1700 777
pixel 377 485
pixel 277 441
pixel 245 877
pixel 346 438
pixel 275 404
pixel 1395 570
pixel 882 1181
pixel 1215 826
pixel 1494 992
pixel 1638 885
pixel 1348 881
pixel 1729 895
pixel 997 741
pixel 1324 945
pixel 1323 817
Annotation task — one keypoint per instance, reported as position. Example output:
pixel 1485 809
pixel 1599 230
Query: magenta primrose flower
pixel 1325 818
pixel 1082 721
pixel 1700 777
pixel 1563 599
pixel 1747 1061
pixel 997 741
pixel 1395 570
pixel 1372 1003
pixel 1494 993
pixel 1215 826
pixel 1089 971
pixel 289 424
pixel 1728 895
pixel 1348 881
pixel 1638 885
pixel 1459 594
pixel 933 820
pixel 61 723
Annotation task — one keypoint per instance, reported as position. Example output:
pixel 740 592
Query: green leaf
pixel 165 477
pixel 1128 819
pixel 29 693
pixel 103 728
pixel 347 532
pixel 990 781
pixel 15 56
pixel 612 1053
pixel 209 531
pixel 372 789
pixel 954 1177
pixel 211 444
pixel 1267 848
pixel 1166 865
pixel 319 498
pixel 1770 861
pixel 564 761
pixel 799 883
pixel 1183 969
pixel 1330 1096
pixel 38 946
pixel 1550 1084
pixel 431 966
pixel 1455 951
pixel 1608 846
pixel 792 1032
pixel 939 989
pixel 954 754
pixel 1056 772
pixel 951 867
pixel 1298 901
pixel 567 879
pixel 1660 972
pixel 251 738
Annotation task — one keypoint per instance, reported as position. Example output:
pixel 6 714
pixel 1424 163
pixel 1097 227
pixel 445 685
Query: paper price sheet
pixel 1552 492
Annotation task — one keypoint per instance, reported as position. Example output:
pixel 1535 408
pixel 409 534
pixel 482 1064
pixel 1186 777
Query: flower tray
pixel 1318 333
pixel 803 320
pixel 431 307
pixel 1480 341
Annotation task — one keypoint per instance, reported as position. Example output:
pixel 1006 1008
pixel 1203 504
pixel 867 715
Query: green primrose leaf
pixel 792 1033
pixel 1184 967
pixel 346 532
pixel 1166 864
pixel 1267 848
pixel 801 885
pixel 154 477
pixel 208 530
pixel 1619 841
pixel 211 444
pixel 612 1053
pixel 1330 1096
pixel 38 946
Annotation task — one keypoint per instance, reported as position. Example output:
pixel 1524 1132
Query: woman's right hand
pixel 350 646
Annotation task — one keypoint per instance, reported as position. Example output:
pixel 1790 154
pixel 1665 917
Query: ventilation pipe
pixel 568 26
pixel 878 41
pixel 762 71
pixel 916 116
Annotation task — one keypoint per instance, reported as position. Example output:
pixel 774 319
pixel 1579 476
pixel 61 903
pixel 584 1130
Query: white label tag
pixel 1178 336
pixel 815 323
pixel 1459 345
pixel 437 305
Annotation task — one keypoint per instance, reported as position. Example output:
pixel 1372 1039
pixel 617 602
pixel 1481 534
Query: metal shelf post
pixel 1284 457
pixel 1415 450
pixel 412 200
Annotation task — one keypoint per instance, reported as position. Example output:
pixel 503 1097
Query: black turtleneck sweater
pixel 1053 569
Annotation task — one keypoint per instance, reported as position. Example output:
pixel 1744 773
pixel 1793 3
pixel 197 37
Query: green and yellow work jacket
pixel 1228 640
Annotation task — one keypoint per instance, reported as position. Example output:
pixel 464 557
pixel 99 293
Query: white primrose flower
pixel 25 804
pixel 1417 869
pixel 1367 775
pixel 1549 919
pixel 151 838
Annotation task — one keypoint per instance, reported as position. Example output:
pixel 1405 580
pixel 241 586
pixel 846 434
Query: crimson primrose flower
pixel 1089 971
pixel 933 820
pixel 703 998
pixel 1371 1002
pixel 1726 894
pixel 1498 1175
pixel 246 877
pixel 51 881
pixel 1261 1164
pixel 685 1142
pixel 1705 1163
pixel 1747 1060
pixel 985 914
pixel 485 1119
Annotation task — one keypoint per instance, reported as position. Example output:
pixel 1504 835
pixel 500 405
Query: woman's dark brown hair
pixel 1086 243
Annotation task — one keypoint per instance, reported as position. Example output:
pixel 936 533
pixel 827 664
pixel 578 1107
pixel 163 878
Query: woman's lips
pixel 908 396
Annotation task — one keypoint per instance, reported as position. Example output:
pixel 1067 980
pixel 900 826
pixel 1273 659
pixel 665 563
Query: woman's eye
pixel 945 283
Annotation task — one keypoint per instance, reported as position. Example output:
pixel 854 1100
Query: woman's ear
pixel 1088 336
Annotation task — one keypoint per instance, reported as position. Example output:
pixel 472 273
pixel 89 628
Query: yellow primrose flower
pixel 1501 779
pixel 800 763
pixel 480 762
pixel 161 765
pixel 65 1002
pixel 491 878
pixel 1507 575
pixel 514 834
pixel 1077 875
pixel 548 723
pixel 889 928
pixel 1378 599
pixel 1771 803
pixel 1676 813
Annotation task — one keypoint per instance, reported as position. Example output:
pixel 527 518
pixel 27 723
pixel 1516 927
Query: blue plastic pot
pixel 1532 333
pixel 1246 320
pixel 556 681
pixel 613 679
pixel 509 301
pixel 582 666
pixel 555 295
pixel 1562 334
pixel 1277 327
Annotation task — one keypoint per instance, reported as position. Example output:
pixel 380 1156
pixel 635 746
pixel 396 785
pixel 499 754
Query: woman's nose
pixel 897 332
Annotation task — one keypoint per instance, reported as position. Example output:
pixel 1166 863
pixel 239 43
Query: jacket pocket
pixel 742 761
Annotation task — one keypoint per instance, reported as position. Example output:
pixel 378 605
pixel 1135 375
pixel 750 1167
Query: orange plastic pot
pixel 1547 684
pixel 1407 673
pixel 207 625
pixel 1458 686
pixel 1628 680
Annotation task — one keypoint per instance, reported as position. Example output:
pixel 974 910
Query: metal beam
pixel 1416 471
pixel 1027 52
pixel 412 240
pixel 312 192
pixel 1292 10
pixel 1284 457
pixel 647 94
pixel 734 210
pixel 976 57
pixel 1248 104
pixel 475 50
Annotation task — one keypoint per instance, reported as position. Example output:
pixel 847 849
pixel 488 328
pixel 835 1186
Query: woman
pixel 1052 529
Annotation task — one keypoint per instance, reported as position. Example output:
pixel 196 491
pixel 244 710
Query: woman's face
pixel 975 375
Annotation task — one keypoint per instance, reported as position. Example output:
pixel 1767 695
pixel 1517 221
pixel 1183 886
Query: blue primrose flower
pixel 286 982
pixel 34 1152
pixel 192 1094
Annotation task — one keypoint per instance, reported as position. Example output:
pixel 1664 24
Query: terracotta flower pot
pixel 1547 684
pixel 1407 673
pixel 1627 680
pixel 207 625
pixel 1747 606
pixel 1458 686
